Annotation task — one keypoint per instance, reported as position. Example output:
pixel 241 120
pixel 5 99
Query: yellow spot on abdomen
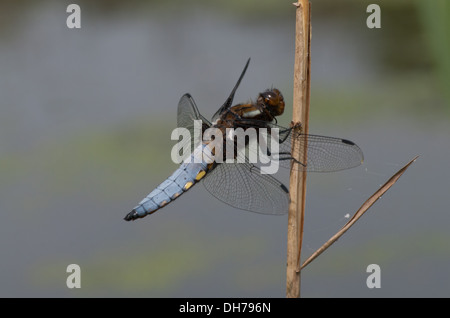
pixel 200 175
pixel 188 185
pixel 176 195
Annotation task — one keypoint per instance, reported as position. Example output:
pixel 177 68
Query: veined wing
pixel 242 186
pixel 324 154
pixel 230 98
pixel 187 113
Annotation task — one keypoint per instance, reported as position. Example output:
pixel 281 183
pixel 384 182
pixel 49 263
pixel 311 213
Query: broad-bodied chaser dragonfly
pixel 243 184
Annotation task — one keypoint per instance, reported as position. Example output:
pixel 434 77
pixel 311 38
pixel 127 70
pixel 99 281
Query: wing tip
pixel 348 142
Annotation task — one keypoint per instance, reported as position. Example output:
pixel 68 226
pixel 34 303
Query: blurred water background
pixel 85 122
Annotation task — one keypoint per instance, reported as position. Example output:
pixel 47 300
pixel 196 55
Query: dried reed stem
pixel 366 205
pixel 297 185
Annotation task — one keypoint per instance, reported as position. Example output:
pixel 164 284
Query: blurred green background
pixel 85 122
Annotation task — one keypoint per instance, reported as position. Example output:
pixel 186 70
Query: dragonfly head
pixel 273 101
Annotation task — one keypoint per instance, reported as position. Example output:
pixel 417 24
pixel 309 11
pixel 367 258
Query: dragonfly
pixel 242 183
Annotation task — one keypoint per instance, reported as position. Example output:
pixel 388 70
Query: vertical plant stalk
pixel 297 184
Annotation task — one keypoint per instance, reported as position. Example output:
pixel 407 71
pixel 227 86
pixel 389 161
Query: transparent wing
pixel 230 98
pixel 242 186
pixel 187 114
pixel 324 154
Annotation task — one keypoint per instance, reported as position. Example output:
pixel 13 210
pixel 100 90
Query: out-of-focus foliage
pixel 435 18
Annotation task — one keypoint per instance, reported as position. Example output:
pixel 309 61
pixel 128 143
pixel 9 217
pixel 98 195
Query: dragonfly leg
pixel 285 133
pixel 288 156
pixel 296 125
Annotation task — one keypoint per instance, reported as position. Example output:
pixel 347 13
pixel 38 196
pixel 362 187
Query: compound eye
pixel 267 98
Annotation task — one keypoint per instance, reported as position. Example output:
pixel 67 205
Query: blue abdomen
pixel 188 174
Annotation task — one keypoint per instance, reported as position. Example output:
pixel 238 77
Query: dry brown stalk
pixel 366 205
